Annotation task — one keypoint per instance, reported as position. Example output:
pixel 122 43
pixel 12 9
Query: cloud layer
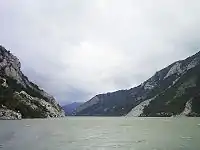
pixel 76 49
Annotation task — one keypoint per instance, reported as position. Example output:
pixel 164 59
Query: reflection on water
pixel 101 133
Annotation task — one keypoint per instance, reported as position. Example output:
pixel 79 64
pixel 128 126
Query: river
pixel 101 133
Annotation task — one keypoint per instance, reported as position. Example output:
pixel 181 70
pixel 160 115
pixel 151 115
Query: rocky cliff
pixel 20 98
pixel 174 90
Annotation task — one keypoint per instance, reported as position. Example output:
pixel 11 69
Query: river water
pixel 101 133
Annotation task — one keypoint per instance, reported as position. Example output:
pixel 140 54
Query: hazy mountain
pixel 70 108
pixel 20 98
pixel 174 90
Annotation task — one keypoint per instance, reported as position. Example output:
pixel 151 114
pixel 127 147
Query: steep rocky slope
pixel 20 98
pixel 174 90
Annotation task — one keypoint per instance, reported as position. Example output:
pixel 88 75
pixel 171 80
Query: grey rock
pixel 7 114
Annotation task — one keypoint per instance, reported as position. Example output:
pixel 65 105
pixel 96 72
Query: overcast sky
pixel 75 49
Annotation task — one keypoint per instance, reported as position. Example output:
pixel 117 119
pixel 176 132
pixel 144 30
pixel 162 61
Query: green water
pixel 101 133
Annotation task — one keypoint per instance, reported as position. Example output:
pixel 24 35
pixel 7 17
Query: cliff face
pixel 18 96
pixel 172 91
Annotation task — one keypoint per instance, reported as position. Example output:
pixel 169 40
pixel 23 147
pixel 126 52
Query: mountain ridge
pixel 120 103
pixel 71 108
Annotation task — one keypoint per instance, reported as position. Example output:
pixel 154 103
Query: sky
pixel 75 49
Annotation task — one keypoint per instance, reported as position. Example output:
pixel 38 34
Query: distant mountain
pixel 174 90
pixel 70 108
pixel 20 98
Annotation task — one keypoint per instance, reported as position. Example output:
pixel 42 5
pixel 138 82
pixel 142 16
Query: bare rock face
pixel 10 65
pixel 20 96
pixel 138 110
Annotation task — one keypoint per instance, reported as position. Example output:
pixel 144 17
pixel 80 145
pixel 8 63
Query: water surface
pixel 101 133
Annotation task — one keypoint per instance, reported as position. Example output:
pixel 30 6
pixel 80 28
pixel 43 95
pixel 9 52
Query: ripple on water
pixel 140 141
pixel 182 147
pixel 187 138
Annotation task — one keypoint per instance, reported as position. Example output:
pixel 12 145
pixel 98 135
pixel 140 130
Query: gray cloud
pixel 76 49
